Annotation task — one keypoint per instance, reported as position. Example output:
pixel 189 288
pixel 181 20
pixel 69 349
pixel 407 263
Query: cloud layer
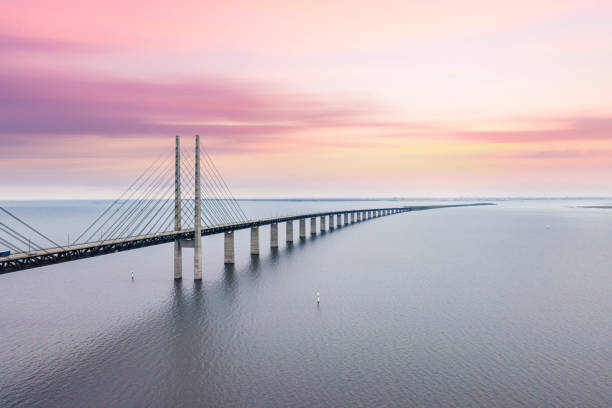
pixel 407 98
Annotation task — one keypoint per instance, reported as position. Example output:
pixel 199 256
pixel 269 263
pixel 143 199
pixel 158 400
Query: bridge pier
pixel 352 217
pixel 313 226
pixel 338 220
pixel 289 233
pixel 345 218
pixel 322 226
pixel 255 241
pixel 331 222
pixel 359 216
pixel 197 230
pixel 302 228
pixel 228 247
pixel 274 235
pixel 178 260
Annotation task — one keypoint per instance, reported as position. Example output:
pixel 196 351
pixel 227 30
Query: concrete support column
pixel 302 228
pixel 178 251
pixel 274 235
pixel 352 217
pixel 228 247
pixel 339 220
pixel 322 226
pixel 360 216
pixel 313 226
pixel 345 219
pixel 255 241
pixel 331 222
pixel 289 233
pixel 197 230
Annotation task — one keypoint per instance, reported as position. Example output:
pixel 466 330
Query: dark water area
pixel 497 306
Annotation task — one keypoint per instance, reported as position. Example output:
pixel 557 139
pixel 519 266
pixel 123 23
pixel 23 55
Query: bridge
pixel 155 210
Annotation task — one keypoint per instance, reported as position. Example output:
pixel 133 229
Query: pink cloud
pixel 12 43
pixel 570 129
pixel 42 103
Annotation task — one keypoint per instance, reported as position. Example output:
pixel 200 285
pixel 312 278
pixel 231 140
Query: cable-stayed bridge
pixel 179 198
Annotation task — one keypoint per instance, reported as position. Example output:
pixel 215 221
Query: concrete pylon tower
pixel 178 252
pixel 197 227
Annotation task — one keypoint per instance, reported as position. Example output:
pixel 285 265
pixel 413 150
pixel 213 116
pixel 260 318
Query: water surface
pixel 504 306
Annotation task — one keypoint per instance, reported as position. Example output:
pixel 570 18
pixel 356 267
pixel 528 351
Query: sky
pixel 309 98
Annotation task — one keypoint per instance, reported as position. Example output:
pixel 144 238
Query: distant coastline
pixel 338 199
pixel 475 199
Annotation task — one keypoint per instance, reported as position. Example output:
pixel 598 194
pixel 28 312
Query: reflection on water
pixel 499 306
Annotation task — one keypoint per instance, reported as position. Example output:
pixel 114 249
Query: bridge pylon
pixel 197 221
pixel 178 250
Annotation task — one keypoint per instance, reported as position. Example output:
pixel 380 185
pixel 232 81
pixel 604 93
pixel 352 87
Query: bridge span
pixel 176 199
pixel 185 238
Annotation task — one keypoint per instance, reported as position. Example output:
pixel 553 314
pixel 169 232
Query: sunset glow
pixel 309 99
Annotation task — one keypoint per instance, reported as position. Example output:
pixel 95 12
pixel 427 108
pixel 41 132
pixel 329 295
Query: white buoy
pixel 132 275
pixel 318 297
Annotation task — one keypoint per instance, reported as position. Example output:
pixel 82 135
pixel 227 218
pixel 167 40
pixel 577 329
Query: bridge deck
pixel 49 256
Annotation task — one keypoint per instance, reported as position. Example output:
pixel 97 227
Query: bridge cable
pixel 30 228
pixel 141 206
pixel 123 203
pixel 234 201
pixel 117 200
pixel 153 180
pixel 12 246
pixel 213 206
pixel 19 237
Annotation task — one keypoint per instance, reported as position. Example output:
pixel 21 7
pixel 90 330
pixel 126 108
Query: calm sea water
pixel 502 306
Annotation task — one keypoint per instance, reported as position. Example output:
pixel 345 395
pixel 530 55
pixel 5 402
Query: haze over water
pixel 505 306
